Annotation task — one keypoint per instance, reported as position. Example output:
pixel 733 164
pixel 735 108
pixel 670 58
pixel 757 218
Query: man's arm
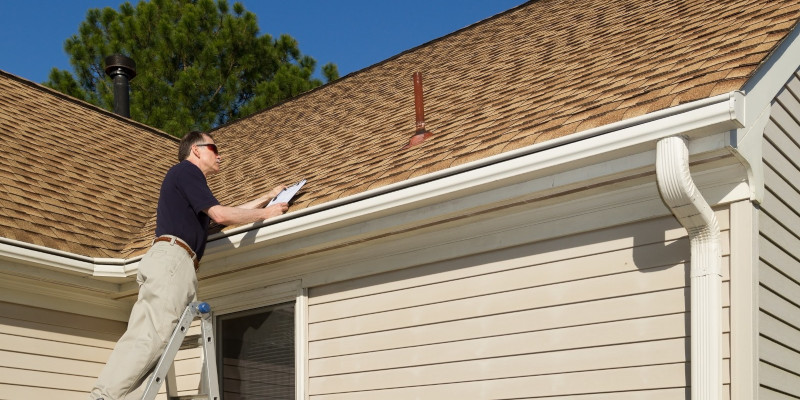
pixel 251 211
pixel 225 215
pixel 263 200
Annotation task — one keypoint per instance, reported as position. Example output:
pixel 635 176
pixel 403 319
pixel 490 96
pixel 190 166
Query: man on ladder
pixel 166 277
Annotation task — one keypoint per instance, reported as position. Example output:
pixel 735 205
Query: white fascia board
pixel 611 148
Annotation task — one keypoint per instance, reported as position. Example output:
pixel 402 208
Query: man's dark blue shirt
pixel 184 196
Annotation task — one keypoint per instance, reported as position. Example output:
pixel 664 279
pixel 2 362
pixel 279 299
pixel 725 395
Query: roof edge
pixel 62 260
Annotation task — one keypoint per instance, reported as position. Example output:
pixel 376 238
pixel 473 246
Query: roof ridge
pixel 376 65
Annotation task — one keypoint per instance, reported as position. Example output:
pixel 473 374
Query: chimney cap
pixel 120 64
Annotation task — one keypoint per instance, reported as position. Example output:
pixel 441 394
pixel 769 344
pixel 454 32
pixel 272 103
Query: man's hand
pixel 276 209
pixel 263 200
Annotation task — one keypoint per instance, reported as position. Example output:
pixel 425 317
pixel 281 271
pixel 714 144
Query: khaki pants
pixel 167 284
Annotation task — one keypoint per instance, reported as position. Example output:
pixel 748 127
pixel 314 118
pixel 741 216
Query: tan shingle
pixel 75 178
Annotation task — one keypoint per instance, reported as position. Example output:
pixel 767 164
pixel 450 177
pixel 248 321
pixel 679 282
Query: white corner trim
pixel 746 145
pixel 705 277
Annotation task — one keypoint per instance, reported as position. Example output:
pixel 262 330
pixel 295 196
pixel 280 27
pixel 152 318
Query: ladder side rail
pixel 210 383
pixel 165 362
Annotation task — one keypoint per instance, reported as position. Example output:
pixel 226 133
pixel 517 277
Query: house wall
pixel 47 354
pixel 779 249
pixel 596 315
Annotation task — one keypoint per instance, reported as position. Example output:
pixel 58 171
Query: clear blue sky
pixel 353 34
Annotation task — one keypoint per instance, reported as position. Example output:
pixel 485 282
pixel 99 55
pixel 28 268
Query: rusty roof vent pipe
pixel 121 69
pixel 419 110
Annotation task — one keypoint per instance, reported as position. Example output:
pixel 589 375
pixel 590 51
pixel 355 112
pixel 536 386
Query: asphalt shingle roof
pixel 544 70
pixel 74 177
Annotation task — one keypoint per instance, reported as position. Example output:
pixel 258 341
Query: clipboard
pixel 287 194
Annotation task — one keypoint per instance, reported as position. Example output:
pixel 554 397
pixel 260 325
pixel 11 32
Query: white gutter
pixel 63 260
pixel 705 279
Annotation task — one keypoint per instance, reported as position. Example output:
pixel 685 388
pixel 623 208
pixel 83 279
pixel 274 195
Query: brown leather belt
pixel 179 242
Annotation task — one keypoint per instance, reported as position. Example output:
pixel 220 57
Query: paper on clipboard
pixel 287 194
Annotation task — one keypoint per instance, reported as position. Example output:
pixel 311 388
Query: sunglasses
pixel 211 146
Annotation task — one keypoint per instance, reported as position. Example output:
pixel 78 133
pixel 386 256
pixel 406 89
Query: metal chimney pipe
pixel 419 110
pixel 121 69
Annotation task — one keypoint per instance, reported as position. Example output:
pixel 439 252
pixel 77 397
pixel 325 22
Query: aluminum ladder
pixel 165 369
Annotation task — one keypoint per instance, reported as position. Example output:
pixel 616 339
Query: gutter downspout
pixel 693 212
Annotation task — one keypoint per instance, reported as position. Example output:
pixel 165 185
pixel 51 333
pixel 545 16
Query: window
pixel 258 358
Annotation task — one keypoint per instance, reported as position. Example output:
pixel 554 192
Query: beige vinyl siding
pixel 597 315
pixel 48 354
pixel 188 363
pixel 779 249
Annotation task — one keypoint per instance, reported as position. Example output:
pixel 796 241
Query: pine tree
pixel 197 64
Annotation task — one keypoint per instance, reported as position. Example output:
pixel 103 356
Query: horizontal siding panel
pixel 62 334
pixel 778 379
pixel 782 111
pixel 61 322
pixel 624 284
pixel 779 211
pixel 779 307
pixel 606 334
pixel 59 365
pixel 49 348
pixel 779 283
pixel 48 354
pixel 779 331
pixel 595 265
pixel 782 189
pixel 187 384
pixel 779 356
pixel 778 162
pixel 777 258
pixel 187 366
pixel 36 393
pixel 770 394
pixel 586 359
pixel 657 394
pixel 596 242
pixel 650 377
pixel 619 308
pixel 777 131
pixel 46 379
pixel 778 234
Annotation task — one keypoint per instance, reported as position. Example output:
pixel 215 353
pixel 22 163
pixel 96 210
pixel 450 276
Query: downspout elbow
pixel 705 277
